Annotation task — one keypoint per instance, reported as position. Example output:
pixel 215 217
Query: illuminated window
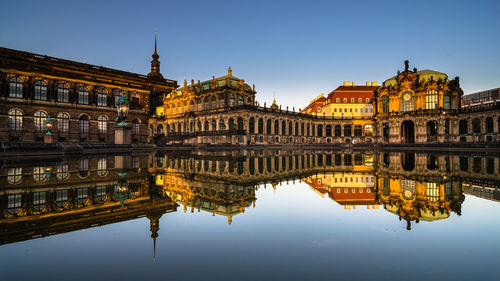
pixel 407 101
pixel 102 124
pixel 40 90
pixel 15 175
pixel 384 105
pixel 61 198
pixel 83 95
pixel 447 100
pixel 62 93
pixel 231 100
pixel 39 174
pixel 368 130
pixel 15 120
pixel 240 100
pixel 102 97
pixel 82 194
pixel 337 100
pixel 102 167
pixel 432 192
pixel 101 193
pixel 63 122
pixel 14 203
pixel 15 87
pixel 38 201
pixel 367 100
pixel 431 99
pixel 39 120
pixel 83 167
pixel 83 124
pixel 62 172
pixel 352 100
pixel 360 100
pixel 344 99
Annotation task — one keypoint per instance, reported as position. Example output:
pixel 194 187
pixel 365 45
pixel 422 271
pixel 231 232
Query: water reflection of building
pixel 59 197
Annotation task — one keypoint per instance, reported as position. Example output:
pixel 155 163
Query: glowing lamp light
pixel 48 125
pixel 121 189
pixel 122 108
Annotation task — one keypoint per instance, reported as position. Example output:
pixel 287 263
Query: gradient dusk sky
pixel 291 50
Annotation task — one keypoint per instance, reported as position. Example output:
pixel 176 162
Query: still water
pixel 251 215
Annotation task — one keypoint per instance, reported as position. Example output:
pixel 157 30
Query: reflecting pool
pixel 251 215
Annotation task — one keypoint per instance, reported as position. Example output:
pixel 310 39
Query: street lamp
pixel 122 107
pixel 48 126
pixel 121 188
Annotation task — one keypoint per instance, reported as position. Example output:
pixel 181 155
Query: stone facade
pixel 79 97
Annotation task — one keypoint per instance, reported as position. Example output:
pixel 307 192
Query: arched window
pixel 83 124
pixel 63 122
pixel 214 102
pixel 447 100
pixel 198 126
pixel 102 97
pixel 368 130
pixel 276 127
pixel 160 130
pixel 268 126
pixel 40 90
pixel 15 120
pixel 251 125
pixel 222 125
pixel 102 167
pixel 347 131
pixel 135 127
pixel 240 124
pixel 290 128
pixel 338 131
pixel 385 130
pixel 489 125
pixel 15 175
pixel 328 130
pixel 83 95
pixel 231 124
pixel 407 101
pixel 206 104
pixel 214 125
pixel 462 127
pixel 261 126
pixel 320 130
pixel 231 100
pixel 102 124
pixel 476 126
pixel 62 93
pixel 384 104
pixel 240 100
pixel 222 102
pixel 39 174
pixel 296 129
pixel 206 127
pixel 431 100
pixel 15 87
pixel 39 120
pixel 357 131
pixel 283 128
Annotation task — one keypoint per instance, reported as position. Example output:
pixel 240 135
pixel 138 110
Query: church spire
pixel 155 63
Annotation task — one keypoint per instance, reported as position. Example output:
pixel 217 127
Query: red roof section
pixel 355 198
pixel 349 92
pixel 316 104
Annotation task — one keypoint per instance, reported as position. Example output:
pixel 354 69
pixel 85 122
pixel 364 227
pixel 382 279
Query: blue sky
pixel 291 50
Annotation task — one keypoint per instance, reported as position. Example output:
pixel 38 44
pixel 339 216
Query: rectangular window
pixel 360 100
pixel 102 100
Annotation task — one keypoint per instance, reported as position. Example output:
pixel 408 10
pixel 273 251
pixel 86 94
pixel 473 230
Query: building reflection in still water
pixel 62 195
